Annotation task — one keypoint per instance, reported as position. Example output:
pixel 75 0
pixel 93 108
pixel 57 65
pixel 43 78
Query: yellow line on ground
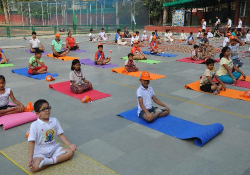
pixel 14 162
pixel 180 99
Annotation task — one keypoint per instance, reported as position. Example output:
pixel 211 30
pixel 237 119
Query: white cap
pixel 144 31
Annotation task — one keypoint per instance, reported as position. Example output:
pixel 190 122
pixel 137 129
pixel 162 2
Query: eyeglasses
pixel 46 109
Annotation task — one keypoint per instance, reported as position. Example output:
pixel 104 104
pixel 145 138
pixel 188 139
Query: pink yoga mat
pixel 240 83
pixel 64 87
pixel 12 120
pixel 188 60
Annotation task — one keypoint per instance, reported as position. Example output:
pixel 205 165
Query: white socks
pixel 47 161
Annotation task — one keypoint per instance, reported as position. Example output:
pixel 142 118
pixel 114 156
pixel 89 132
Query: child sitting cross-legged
pixel 36 64
pixel 206 83
pixel 195 53
pixel 78 83
pixel 154 47
pixel 145 95
pixel 100 58
pixel 130 65
pixel 137 53
pixel 5 94
pixel 43 149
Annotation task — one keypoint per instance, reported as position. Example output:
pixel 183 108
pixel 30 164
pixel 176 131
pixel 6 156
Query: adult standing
pixel 229 23
pixel 239 25
pixel 204 25
pixel 217 23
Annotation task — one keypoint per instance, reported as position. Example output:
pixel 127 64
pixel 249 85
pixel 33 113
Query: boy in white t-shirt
pixel 91 35
pixel 145 95
pixel 102 35
pixel 35 44
pixel 183 36
pixel 226 40
pixel 144 36
pixel 43 149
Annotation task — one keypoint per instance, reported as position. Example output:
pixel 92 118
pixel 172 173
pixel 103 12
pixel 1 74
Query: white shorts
pixel 55 154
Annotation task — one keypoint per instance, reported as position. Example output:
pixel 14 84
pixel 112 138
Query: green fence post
pixel 33 29
pixel 8 31
pixel 133 27
pixel 55 30
pixel 107 28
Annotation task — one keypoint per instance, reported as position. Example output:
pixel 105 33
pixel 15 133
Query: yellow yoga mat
pixel 64 58
pixel 230 93
pixel 121 70
pixel 79 164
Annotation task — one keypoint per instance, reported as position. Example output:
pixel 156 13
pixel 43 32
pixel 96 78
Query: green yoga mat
pixel 144 61
pixel 6 65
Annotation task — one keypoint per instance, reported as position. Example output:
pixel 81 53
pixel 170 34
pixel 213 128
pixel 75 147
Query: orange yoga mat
pixel 65 58
pixel 121 70
pixel 230 93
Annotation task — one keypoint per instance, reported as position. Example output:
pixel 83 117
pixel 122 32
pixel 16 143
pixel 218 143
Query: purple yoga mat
pixel 78 51
pixel 28 51
pixel 89 62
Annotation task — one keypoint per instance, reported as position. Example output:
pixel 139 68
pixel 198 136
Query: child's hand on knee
pixel 31 163
pixel 73 147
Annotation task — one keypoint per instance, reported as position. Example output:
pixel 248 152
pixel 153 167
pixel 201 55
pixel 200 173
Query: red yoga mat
pixel 64 87
pixel 188 60
pixel 12 120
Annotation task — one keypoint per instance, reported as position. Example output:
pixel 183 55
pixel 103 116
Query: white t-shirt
pixel 132 40
pixel 225 42
pixel 43 133
pixel 137 38
pixel 144 37
pixel 150 38
pixel 4 98
pixel 35 43
pixel 102 34
pixel 198 34
pixel 183 36
pixel 210 35
pixel 247 37
pixel 222 70
pixel 240 24
pixel 204 25
pixel 218 21
pixel 146 95
pixel 229 23
pixel 91 35
pixel 76 77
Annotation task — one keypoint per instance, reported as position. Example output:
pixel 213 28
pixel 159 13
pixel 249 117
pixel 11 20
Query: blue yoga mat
pixel 24 72
pixel 177 127
pixel 160 54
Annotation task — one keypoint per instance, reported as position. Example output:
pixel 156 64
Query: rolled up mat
pixel 148 61
pixel 230 93
pixel 177 127
pixel 78 164
pixel 12 120
pixel 24 72
pixel 159 54
pixel 89 62
pixel 28 51
pixel 12 47
pixel 188 60
pixel 64 58
pixel 64 87
pixel 122 70
pixel 6 65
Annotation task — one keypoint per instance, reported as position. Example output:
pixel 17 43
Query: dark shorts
pixel 149 110
pixel 58 53
pixel 239 29
pixel 37 49
pixel 74 48
pixel 207 87
pixel 7 106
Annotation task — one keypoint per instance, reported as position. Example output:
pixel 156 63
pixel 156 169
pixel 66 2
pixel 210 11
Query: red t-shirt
pixel 71 41
pixel 133 49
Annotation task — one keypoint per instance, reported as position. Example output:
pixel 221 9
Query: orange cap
pixel 86 99
pixel 29 107
pixel 121 34
pixel 134 34
pixel 57 34
pixel 49 78
pixel 232 37
pixel 145 75
pixel 228 34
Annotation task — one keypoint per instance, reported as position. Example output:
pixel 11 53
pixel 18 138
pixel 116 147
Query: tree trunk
pixel 7 21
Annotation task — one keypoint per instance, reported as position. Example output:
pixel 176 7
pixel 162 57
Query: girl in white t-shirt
pixel 225 72
pixel 91 35
pixel 5 94
pixel 144 36
pixel 102 35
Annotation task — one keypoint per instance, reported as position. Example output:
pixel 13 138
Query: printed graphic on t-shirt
pixel 49 136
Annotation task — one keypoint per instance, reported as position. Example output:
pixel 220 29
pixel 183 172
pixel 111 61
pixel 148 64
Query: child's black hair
pixel 153 33
pixel 125 28
pixel 203 30
pixel 69 32
pixel 248 30
pixel 100 46
pixel 182 30
pixel 130 54
pixel 2 78
pixel 223 51
pixel 137 32
pixel 196 46
pixel 205 34
pixel 118 30
pixel 206 41
pixel 38 51
pixel 191 33
pixel 210 61
pixel 38 104
pixel 91 30
pixel 156 31
pixel 74 62
pixel 33 33
pixel 102 29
